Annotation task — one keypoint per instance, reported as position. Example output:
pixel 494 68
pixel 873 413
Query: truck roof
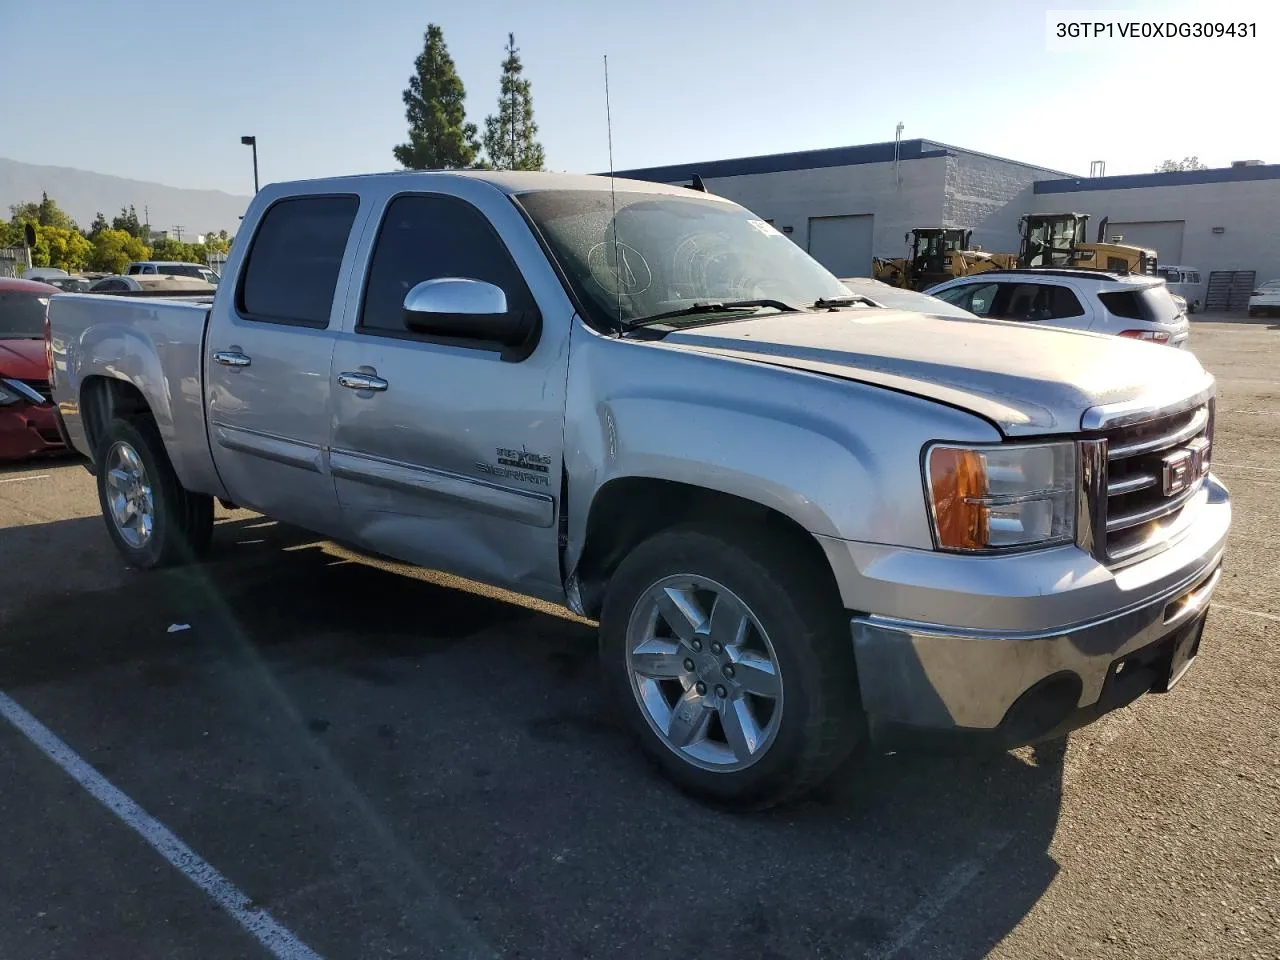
pixel 508 181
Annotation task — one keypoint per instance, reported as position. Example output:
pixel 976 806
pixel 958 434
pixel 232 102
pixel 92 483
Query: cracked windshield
pixel 555 482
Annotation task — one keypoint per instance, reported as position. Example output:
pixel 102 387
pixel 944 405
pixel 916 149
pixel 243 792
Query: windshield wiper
pixel 710 306
pixel 826 303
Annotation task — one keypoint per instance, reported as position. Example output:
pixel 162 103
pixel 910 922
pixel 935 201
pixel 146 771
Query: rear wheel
pixel 733 661
pixel 153 521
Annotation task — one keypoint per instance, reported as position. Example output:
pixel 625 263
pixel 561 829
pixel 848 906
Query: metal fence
pixel 13 260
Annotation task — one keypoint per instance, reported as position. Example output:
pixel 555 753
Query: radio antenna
pixel 613 198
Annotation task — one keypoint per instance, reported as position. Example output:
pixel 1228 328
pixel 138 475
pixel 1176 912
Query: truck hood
pixel 1025 379
pixel 23 360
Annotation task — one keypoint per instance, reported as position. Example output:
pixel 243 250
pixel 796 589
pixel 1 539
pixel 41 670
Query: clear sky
pixel 163 92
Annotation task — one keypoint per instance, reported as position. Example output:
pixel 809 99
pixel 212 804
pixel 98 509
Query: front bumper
pixel 29 430
pixel 1020 646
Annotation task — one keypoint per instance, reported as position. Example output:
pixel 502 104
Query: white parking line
pixel 276 938
pixel 43 476
pixel 1253 613
pixel 961 875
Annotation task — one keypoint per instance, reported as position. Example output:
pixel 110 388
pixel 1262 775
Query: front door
pixel 448 454
pixel 267 362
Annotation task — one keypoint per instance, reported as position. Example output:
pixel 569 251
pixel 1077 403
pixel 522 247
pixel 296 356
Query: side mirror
pixel 467 310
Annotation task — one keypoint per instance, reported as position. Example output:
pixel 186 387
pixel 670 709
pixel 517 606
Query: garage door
pixel 842 244
pixel 1163 236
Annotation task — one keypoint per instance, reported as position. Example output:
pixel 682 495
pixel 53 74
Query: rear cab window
pixel 291 271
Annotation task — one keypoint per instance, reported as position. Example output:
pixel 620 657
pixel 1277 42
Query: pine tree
pixel 439 136
pixel 510 134
pixel 99 224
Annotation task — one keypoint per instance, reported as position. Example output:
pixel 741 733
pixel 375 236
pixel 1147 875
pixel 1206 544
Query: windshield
pixel 21 315
pixel 671 252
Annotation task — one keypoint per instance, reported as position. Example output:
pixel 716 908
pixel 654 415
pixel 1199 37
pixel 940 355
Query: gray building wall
pixel 990 195
pixel 1247 210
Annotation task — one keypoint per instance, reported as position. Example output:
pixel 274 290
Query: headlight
pixel 997 497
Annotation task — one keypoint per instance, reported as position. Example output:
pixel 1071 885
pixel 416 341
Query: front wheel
pixel 151 518
pixel 733 661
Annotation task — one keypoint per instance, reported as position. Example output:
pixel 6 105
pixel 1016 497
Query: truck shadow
pixel 899 856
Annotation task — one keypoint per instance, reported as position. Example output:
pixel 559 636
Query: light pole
pixel 253 142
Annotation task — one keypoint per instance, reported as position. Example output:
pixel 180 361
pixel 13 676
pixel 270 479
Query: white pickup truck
pixel 805 521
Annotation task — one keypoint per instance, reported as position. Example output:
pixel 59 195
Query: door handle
pixel 362 381
pixel 232 358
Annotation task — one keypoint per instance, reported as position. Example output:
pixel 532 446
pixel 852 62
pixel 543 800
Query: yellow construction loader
pixel 937 254
pixel 1058 240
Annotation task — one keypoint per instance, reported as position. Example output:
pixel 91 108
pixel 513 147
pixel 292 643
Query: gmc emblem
pixel 1184 467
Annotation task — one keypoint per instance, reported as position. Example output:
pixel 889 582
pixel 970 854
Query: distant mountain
pixel 82 194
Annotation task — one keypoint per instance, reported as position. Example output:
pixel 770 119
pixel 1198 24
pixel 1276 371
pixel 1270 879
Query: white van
pixel 1185 282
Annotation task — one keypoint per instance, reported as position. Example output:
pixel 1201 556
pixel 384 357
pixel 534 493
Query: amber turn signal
pixel 958 478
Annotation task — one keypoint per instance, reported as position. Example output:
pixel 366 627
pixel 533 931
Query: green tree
pixel 128 222
pixel 114 250
pixel 216 243
pixel 434 104
pixel 510 135
pixel 99 224
pixel 61 247
pixel 1186 163
pixel 168 248
pixel 46 213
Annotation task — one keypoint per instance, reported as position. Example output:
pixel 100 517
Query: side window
pixel 974 297
pixel 1038 302
pixel 292 269
pixel 135 268
pixel 427 237
pixel 1062 303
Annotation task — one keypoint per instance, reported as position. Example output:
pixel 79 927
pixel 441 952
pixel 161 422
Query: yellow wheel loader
pixel 937 254
pixel 1058 240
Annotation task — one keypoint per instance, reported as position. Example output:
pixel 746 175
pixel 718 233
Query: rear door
pixel 267 361
pixel 454 460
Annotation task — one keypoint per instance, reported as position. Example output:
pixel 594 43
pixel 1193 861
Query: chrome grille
pixel 1142 505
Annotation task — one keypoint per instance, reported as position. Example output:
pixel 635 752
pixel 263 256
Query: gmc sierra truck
pixel 805 522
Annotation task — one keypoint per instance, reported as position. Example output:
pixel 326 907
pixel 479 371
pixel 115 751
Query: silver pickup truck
pixel 806 522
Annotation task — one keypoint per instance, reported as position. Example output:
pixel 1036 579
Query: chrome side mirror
pixel 455 296
pixel 463 309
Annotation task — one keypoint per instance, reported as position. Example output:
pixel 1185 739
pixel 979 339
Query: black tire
pixel 1255 312
pixel 183 521
pixel 796 603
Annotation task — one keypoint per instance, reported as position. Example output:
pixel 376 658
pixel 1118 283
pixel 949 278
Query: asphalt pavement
pixel 388 762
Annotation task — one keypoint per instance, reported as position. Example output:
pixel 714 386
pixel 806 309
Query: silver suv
pixel 1137 307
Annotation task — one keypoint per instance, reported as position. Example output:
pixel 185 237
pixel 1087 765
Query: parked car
pixel 1265 299
pixel 172 268
pixel 902 298
pixel 44 274
pixel 151 283
pixel 1184 282
pixel 1127 305
pixel 70 284
pixel 27 423
pixel 802 520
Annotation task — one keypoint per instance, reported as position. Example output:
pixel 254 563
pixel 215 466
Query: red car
pixel 28 424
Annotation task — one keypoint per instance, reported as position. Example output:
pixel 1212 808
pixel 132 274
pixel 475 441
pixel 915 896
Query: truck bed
pixel 153 344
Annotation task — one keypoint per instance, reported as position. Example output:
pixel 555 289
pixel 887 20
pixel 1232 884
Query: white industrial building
pixel 847 204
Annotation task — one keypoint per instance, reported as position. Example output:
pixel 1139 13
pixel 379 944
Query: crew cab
pixel 804 521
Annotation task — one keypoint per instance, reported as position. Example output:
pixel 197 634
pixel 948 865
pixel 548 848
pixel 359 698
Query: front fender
pixel 840 459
